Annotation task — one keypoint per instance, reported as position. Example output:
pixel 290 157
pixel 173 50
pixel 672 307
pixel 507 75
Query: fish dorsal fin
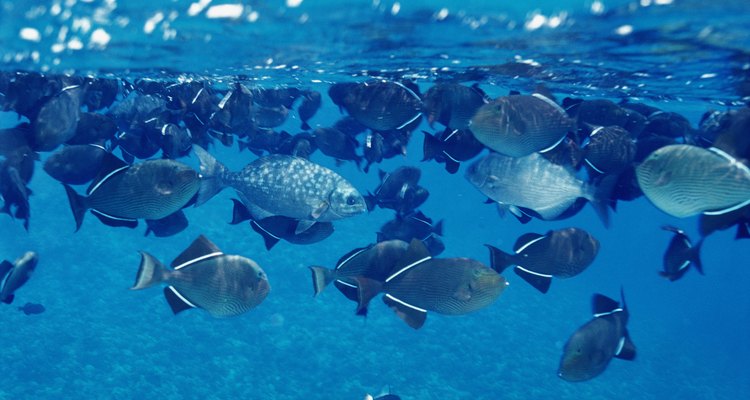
pixel 111 166
pixel 603 305
pixel 200 249
pixel 625 348
pixel 416 254
pixel 176 300
pixel 527 239
pixel 419 216
pixel 348 256
pixel 549 101
pixel 412 315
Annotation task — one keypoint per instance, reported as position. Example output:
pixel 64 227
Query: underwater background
pixel 98 339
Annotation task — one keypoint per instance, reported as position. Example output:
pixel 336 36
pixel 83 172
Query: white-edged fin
pixel 111 216
pixel 177 301
pixel 411 92
pixel 450 135
pixel 347 257
pixel 259 226
pixel 730 209
pixel 521 247
pixel 419 115
pixel 112 165
pixel 226 98
pixel 200 249
pixel 449 156
pixel 345 283
pixel 528 271
pixel 731 159
pixel 549 101
pixel 406 268
pixel 405 303
pixel 620 345
pixel 593 166
pixel 196 96
pixel 199 259
pixel 595 131
pixel 554 145
pixel 616 310
pixel 684 265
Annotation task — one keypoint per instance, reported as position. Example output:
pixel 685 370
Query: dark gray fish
pixel 684 180
pixel 122 194
pixel 14 146
pixel 204 277
pixel 378 105
pixel 32 308
pixel 680 255
pixel 26 91
pixel 275 97
pixel 15 194
pixel 170 225
pixel 337 144
pixel 519 125
pixel 708 224
pixel 415 225
pixel 264 141
pixel 669 124
pixel 420 283
pixel 175 142
pixel 562 253
pixel 269 117
pixel 398 190
pixel 283 185
pixel 590 349
pixel 56 121
pixel 375 261
pixel 311 101
pixel 75 164
pixel 733 138
pixel 235 114
pixel 99 93
pixel 373 149
pixel 609 149
pixel 300 145
pixel 452 147
pixel 453 105
pixel 385 394
pixel 602 112
pixel 277 227
pixel 16 275
pixel 93 128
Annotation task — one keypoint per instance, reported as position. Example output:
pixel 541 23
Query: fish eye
pixel 351 200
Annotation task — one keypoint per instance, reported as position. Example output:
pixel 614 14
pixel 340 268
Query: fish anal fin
pixel 201 247
pixel 413 316
pixel 240 212
pixel 269 239
pixel 115 222
pixel 176 301
pixel 627 349
pixel 349 289
pixel 540 282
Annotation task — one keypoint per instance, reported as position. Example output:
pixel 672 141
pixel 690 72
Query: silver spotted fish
pixel 204 277
pixel 283 185
pixel 16 274
pixel 684 180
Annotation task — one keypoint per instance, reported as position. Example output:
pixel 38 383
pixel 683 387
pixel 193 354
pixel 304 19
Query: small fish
pixel 534 183
pixel 235 113
pixel 680 255
pixel 684 180
pixel 609 150
pixel 174 141
pixel 415 225
pixel 122 194
pixel 378 105
pixel 204 277
pixel 300 145
pixel 99 93
pixel 32 308
pixel 269 117
pixel 453 105
pixel 590 349
pixel 337 144
pixel 283 185
pixel 519 125
pixel 75 164
pixel 452 147
pixel 560 253
pixel 398 190
pixel 311 101
pixel 384 145
pixel 420 283
pixel 602 112
pixel 16 275
pixel 15 194
pixel 56 121
pixel 275 97
pixel 264 141
pixel 277 227
pixel 170 225
pixel 375 261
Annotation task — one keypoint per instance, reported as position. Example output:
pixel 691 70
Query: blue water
pixel 100 340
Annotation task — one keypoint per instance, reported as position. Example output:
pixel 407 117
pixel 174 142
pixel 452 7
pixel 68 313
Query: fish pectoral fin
pixel 526 240
pixel 319 210
pixel 412 315
pixel 540 281
pixel 114 221
pixel 626 348
pixel 200 249
pixel 303 225
pixel 177 301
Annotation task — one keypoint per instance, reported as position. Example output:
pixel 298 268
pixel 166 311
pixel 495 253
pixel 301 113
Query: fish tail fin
pixel 438 228
pixel 742 231
pixel 305 126
pixel 367 289
pixel 211 175
pixel 150 272
pixel 499 260
pixel 695 256
pixel 600 198
pixel 321 277
pixel 431 148
pixel 77 205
